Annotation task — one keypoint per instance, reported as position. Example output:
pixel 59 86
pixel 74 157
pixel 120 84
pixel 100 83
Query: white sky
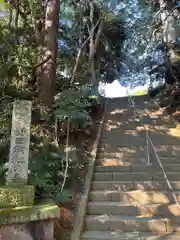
pixel 116 90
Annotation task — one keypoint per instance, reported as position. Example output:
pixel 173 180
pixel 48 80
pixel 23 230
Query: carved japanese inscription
pixel 19 147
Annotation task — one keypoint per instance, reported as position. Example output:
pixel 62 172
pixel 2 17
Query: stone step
pixel 173 224
pixel 155 185
pixel 106 169
pixel 162 210
pixel 121 102
pixel 117 135
pixel 122 176
pixel 126 152
pixel 127 124
pixel 167 236
pixel 116 208
pixel 127 117
pixel 110 161
pixel 138 176
pixel 114 235
pixel 122 161
pixel 127 128
pixel 115 161
pixel 155 120
pixel 173 176
pixel 122 152
pixel 136 197
pixel 117 235
pixel 129 223
pixel 163 137
pixel 107 185
pixel 170 160
pixel 128 142
pixel 116 115
pixel 137 168
pixel 133 185
pixel 125 139
pixel 169 150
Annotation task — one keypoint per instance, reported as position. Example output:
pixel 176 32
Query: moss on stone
pixel 16 195
pixel 42 211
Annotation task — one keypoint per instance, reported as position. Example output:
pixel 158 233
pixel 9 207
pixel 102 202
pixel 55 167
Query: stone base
pixel 29 222
pixel 45 210
pixel 41 230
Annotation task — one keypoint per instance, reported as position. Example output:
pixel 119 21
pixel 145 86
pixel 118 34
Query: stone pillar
pixel 20 217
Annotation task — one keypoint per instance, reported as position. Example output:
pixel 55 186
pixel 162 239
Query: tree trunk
pixel 168 22
pixel 170 40
pixel 47 84
pixel 168 27
pixel 94 41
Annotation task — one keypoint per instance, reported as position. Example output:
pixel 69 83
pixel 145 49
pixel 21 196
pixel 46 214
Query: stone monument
pixel 20 137
pixel 20 217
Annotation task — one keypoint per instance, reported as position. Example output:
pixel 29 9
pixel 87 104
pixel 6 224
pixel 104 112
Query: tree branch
pixel 79 54
pixel 34 66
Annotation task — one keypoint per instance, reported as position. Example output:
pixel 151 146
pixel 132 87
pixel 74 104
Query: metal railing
pixel 148 143
pixel 138 114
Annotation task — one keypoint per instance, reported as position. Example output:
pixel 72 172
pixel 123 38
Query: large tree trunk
pixel 168 23
pixel 169 29
pixel 169 32
pixel 47 84
pixel 93 42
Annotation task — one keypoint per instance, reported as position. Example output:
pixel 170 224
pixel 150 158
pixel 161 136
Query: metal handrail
pixel 165 175
pixel 136 113
pixel 148 140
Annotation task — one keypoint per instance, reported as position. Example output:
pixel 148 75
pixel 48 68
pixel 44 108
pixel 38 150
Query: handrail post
pixel 147 149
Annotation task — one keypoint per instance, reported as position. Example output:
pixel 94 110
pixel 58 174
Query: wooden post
pixel 19 147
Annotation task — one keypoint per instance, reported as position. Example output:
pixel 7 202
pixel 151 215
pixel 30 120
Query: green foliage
pixel 73 103
pixel 46 170
pixel 20 51
pixel 63 196
pixel 3 5
pixel 110 42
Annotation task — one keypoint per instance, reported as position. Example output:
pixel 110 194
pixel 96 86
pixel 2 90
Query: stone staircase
pixel 129 199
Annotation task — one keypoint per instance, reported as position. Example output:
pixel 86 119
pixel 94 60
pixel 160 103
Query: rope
pixel 148 140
